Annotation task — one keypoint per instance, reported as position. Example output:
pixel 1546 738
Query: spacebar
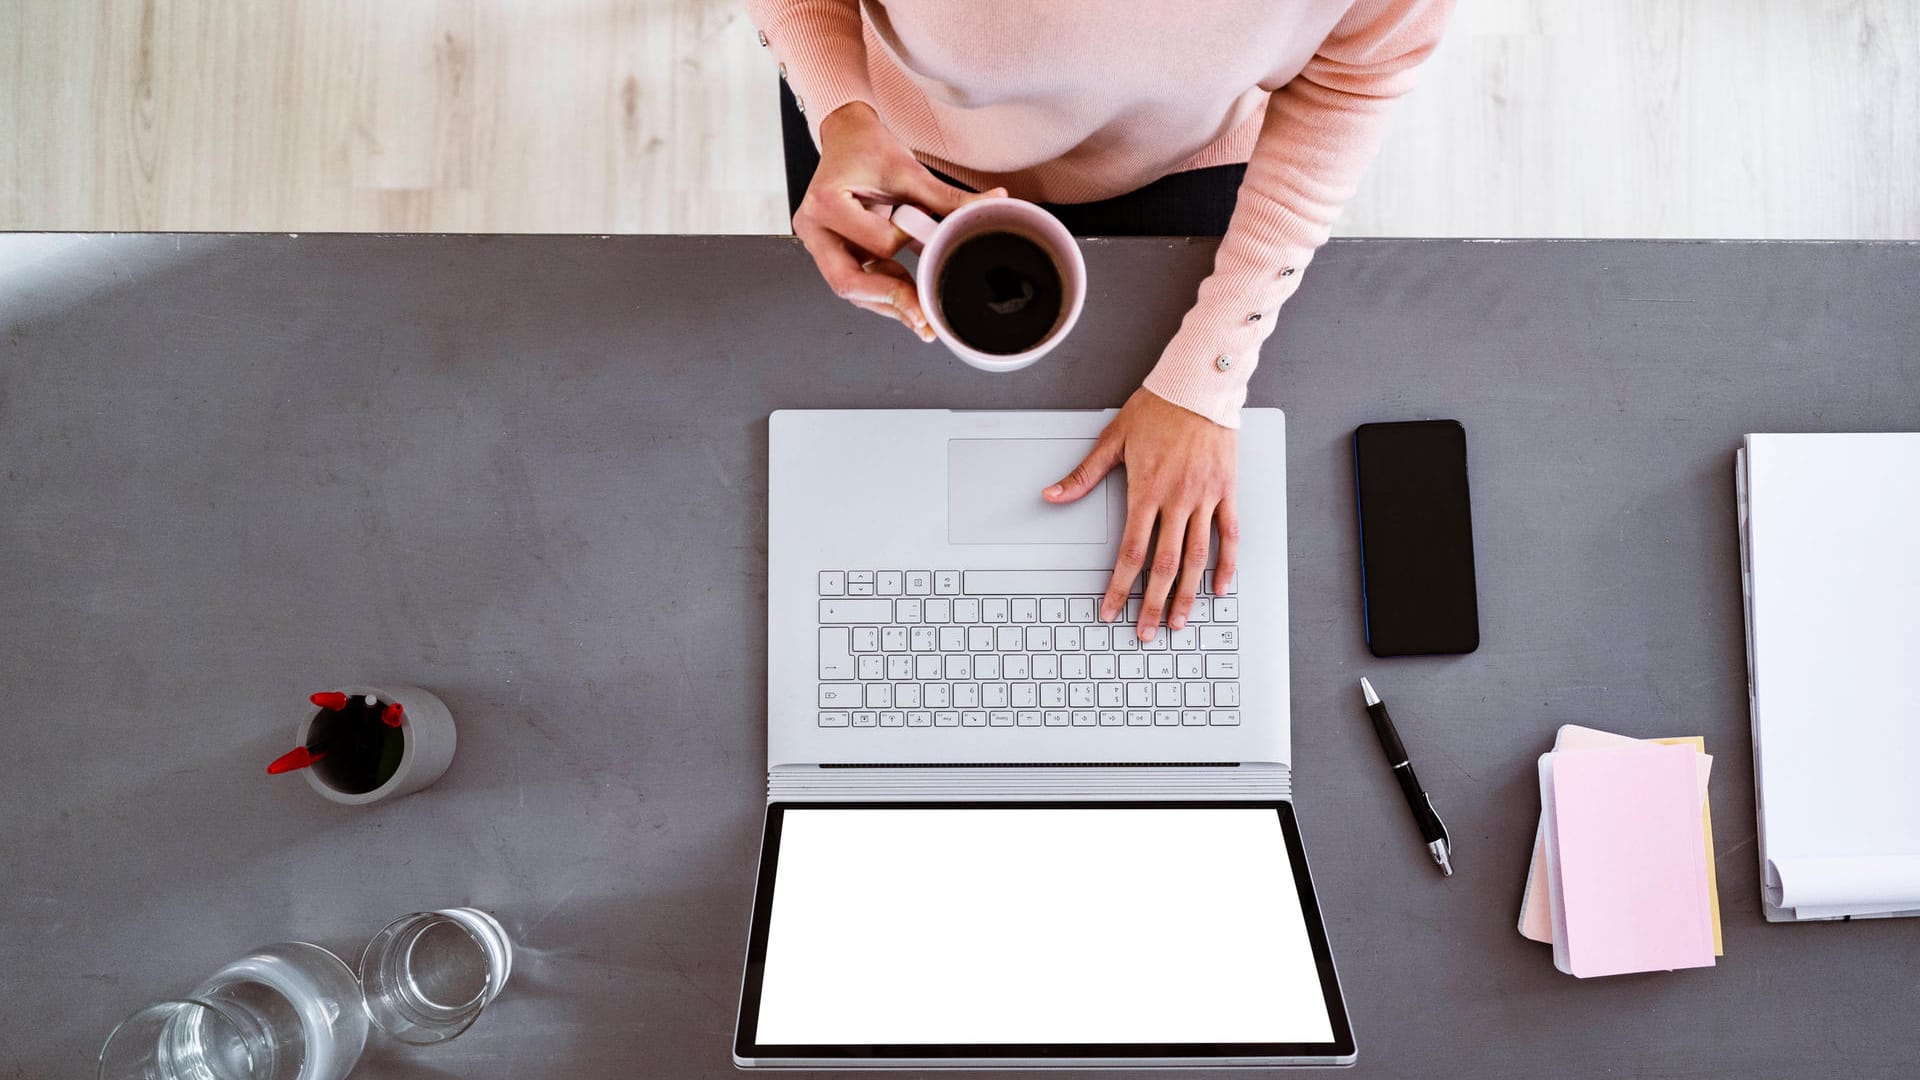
pixel 1038 582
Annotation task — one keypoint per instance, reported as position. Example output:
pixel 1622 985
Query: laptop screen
pixel 1037 930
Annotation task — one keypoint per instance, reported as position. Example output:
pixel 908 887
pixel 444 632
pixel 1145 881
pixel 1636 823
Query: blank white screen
pixel 1065 925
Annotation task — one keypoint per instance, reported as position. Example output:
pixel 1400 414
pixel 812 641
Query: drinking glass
pixel 282 1012
pixel 428 975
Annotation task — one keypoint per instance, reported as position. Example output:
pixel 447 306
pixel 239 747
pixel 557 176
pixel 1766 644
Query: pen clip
pixel 1445 836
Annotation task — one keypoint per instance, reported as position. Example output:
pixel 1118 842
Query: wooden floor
pixel 1735 118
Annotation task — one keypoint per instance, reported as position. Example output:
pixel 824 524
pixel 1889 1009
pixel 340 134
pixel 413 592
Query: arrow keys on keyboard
pixel 833 583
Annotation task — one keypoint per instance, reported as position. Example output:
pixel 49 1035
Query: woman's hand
pixel 853 246
pixel 1179 475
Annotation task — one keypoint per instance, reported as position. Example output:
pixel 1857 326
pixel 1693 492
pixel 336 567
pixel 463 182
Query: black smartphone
pixel 1416 538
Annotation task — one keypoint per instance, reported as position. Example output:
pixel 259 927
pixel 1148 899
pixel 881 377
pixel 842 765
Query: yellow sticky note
pixel 1699 745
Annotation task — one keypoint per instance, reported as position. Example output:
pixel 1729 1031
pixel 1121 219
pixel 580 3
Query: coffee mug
pixel 1001 280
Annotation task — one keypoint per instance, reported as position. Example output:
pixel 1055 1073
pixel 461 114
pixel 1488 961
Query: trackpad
pixel 993 493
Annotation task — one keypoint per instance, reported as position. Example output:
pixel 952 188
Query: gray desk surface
pixel 529 473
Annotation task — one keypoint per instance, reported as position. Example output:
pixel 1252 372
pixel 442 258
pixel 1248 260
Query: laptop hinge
pixel 921 783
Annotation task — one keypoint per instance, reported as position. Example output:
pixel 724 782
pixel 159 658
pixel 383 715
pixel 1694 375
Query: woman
pixel 1252 118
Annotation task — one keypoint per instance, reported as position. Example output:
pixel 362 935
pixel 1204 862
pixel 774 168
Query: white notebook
pixel 1830 571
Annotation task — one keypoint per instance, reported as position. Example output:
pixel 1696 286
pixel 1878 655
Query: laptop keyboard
pixel 1016 648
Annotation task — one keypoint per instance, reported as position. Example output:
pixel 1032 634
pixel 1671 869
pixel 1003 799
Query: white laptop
pixel 1001 833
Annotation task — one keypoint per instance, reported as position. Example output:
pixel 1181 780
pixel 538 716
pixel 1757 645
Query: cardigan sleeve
pixel 820 51
pixel 1320 131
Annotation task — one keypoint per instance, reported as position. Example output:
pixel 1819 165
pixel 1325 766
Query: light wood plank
pixel 1765 118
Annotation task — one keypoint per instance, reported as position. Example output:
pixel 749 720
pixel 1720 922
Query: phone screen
pixel 1416 538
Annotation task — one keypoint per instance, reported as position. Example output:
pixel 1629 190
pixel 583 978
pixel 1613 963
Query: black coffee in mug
pixel 1000 292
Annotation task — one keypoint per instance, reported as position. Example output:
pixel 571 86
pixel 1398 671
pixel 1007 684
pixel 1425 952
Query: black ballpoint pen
pixel 1432 829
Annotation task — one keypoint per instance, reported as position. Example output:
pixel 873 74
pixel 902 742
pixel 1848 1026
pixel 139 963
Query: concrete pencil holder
pixel 346 769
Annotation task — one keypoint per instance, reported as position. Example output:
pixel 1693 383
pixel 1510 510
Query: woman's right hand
pixel 852 245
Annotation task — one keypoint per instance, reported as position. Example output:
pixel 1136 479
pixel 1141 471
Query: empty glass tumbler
pixel 428 975
pixel 282 1012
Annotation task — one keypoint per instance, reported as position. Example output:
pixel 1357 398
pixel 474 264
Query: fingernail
pixel 1056 490
pixel 1105 615
pixel 1147 634
pixel 1176 623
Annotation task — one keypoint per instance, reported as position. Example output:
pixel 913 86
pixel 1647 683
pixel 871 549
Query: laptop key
pixel 946 582
pixel 1029 718
pixel 863 719
pixel 919 719
pixel 833 719
pixel 1083 718
pixel 1215 636
pixel 1109 719
pixel 836 656
pixel 999 719
pixel 1139 718
pixel 973 719
pixel 1056 718
pixel 839 695
pixel 1226 693
pixel 946 719
pixel 919 582
pixel 1193 718
pixel 1226 718
pixel 893 719
pixel 851 610
pixel 833 583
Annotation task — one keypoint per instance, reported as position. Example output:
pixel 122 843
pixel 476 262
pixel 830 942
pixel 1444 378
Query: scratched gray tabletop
pixel 529 474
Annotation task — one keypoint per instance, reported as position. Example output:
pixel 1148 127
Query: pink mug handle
pixel 914 222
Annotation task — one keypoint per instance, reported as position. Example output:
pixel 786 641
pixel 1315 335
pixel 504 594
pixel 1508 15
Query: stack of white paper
pixel 1830 569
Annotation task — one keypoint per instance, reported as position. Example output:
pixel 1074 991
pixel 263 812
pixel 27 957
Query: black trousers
pixel 1198 202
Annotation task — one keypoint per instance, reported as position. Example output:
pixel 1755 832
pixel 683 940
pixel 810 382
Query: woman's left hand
pixel 1180 469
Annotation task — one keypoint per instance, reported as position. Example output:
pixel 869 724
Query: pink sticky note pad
pixel 1632 881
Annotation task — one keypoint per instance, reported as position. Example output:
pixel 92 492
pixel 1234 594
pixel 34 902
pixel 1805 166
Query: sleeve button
pixel 1287 272
pixel 1253 316
pixel 783 71
pixel 763 37
pixel 800 103
pixel 1223 362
